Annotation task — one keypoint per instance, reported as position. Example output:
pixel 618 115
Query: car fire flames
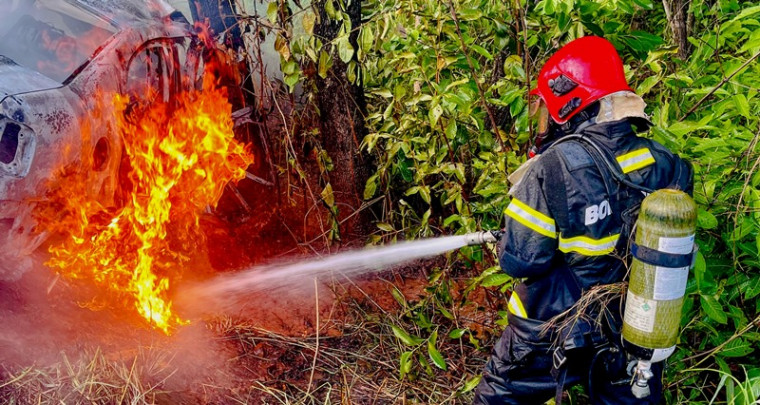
pixel 117 135
pixel 181 155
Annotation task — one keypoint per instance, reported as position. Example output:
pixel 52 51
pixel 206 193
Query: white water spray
pixel 293 276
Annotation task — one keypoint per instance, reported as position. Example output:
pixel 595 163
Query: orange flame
pixel 181 155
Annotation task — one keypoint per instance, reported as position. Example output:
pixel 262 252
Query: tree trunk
pixel 341 122
pixel 680 21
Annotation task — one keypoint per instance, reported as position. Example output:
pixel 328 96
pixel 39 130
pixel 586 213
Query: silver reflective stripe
pixel 588 246
pixel 515 306
pixel 531 218
pixel 635 160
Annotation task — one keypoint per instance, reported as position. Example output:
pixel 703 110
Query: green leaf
pixel 647 85
pixel 682 127
pixel 291 80
pixel 470 384
pixel 412 190
pixel 383 92
pixel 752 288
pixel 482 51
pixel 713 309
pixel 452 218
pixel 736 348
pixel 457 333
pixel 399 297
pixel 406 338
pixel 330 9
pixel 370 187
pixel 423 321
pixel 746 12
pixel 327 195
pixel 495 280
pixel 425 193
pixel 308 21
pixel 469 14
pixel 742 105
pixel 424 363
pixel 451 130
pixel 272 9
pixel 645 4
pixel 706 220
pixel 435 355
pixel 426 217
pixel 367 39
pixel 405 364
pixel 325 63
pixel 345 50
pixel 384 226
pixel 289 67
pixel 700 268
pixel 752 44
pixel 445 312
pixel 434 114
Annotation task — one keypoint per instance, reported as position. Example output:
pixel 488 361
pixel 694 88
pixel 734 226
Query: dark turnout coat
pixel 565 230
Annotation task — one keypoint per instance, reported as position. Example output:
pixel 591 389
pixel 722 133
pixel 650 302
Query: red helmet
pixel 578 74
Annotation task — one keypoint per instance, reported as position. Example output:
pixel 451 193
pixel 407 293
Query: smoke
pixel 56 339
pixel 286 281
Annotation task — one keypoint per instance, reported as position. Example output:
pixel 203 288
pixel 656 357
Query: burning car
pixel 60 60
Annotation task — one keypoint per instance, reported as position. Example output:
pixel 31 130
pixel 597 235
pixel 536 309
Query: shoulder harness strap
pixel 607 167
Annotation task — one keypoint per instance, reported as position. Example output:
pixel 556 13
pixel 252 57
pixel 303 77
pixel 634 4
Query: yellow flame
pixel 181 156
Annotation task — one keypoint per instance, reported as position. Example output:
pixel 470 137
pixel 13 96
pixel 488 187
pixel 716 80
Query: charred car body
pixel 60 59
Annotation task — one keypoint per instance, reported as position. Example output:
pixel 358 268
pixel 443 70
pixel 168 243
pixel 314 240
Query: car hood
pixel 15 79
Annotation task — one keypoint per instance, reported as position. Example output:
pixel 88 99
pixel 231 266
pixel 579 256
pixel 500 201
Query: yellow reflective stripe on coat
pixel 635 160
pixel 515 306
pixel 531 218
pixel 588 246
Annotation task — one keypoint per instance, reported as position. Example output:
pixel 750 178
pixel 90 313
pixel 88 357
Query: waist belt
pixel 582 338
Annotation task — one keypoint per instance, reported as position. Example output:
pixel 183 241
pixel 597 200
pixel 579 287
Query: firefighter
pixel 567 227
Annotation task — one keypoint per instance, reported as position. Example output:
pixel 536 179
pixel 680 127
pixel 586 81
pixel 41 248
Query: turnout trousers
pixel 520 371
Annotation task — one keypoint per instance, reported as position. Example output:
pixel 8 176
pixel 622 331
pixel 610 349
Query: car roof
pixel 121 13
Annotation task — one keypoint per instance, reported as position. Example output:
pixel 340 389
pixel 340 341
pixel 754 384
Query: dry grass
pixel 593 307
pixel 91 378
pixel 351 360
pixel 360 366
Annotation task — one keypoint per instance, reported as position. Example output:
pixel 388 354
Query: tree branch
pixel 472 69
pixel 722 82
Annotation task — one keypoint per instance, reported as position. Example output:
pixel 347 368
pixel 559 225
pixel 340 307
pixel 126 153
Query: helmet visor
pixel 539 115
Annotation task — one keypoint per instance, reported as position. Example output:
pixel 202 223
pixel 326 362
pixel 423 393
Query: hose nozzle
pixel 479 238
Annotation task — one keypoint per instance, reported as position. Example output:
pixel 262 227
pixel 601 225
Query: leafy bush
pixel 447 83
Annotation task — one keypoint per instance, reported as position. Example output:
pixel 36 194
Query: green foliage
pixel 426 328
pixel 429 128
pixel 447 86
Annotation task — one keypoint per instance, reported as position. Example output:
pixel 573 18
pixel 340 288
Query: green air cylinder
pixel 662 255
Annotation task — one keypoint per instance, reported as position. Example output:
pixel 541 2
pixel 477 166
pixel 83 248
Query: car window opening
pixel 52 38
